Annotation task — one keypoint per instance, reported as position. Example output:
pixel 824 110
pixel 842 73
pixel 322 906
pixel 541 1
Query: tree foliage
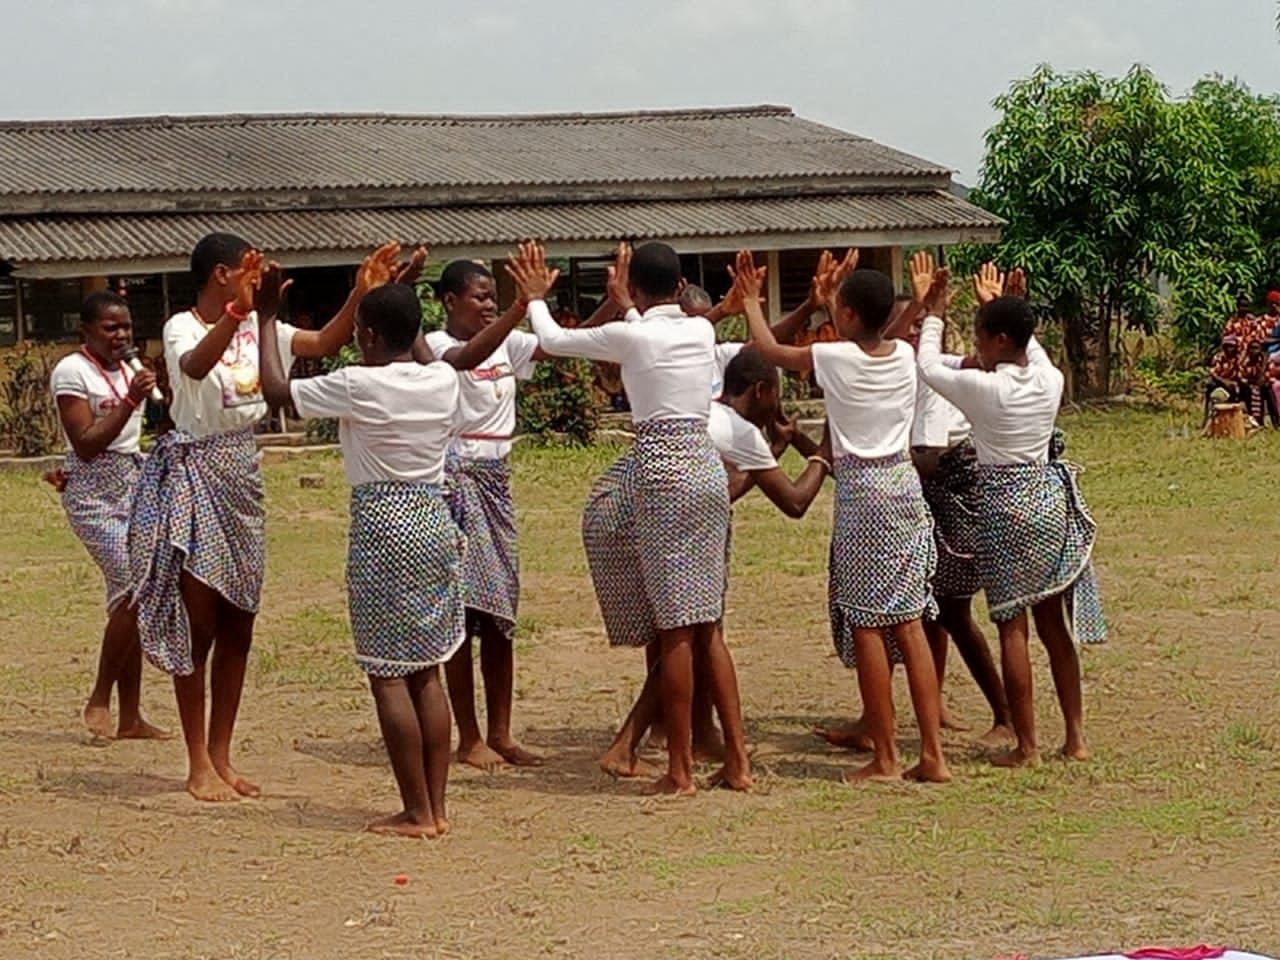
pixel 1109 186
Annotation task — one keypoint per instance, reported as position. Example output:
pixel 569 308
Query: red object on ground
pixel 401 879
pixel 1201 952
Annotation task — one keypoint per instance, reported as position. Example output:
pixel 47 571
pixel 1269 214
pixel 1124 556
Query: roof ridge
pixel 426 119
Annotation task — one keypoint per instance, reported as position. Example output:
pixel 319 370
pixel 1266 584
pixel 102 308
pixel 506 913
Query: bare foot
pixel 246 788
pixel 667 787
pixel 516 755
pixel 732 777
pixel 873 772
pixel 708 748
pixel 442 827
pixel 1075 750
pixel 849 736
pixel 404 825
pixel 97 720
pixel 141 730
pixel 481 756
pixel 1017 758
pixel 997 737
pixel 948 722
pixel 617 761
pixel 929 771
pixel 211 788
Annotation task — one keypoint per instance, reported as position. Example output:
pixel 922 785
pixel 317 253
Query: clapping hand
pixel 378 268
pixel 922 271
pixel 747 277
pixel 271 290
pixel 410 273
pixel 1015 284
pixel 937 298
pixel 618 284
pixel 246 278
pixel 530 273
pixel 988 283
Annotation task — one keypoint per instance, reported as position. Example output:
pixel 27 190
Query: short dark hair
pixel 457 276
pixel 216 248
pixel 869 294
pixel 747 369
pixel 655 270
pixel 393 312
pixel 1011 316
pixel 693 297
pixel 98 303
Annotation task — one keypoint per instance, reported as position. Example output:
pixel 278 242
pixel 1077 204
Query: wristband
pixel 134 404
pixel 822 460
pixel 231 311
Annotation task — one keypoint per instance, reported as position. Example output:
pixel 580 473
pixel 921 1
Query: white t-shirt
pixel 738 440
pixel 725 352
pixel 394 422
pixel 938 422
pixel 870 400
pixel 1013 408
pixel 667 359
pixel 487 410
pixel 230 397
pixel 105 389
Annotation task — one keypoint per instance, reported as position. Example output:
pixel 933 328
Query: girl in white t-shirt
pixel 404 559
pixel 1036 535
pixel 736 427
pixel 196 540
pixel 492 357
pixel 100 406
pixel 882 549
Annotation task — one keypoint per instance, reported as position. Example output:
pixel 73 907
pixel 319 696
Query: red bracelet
pixel 230 311
pixel 131 402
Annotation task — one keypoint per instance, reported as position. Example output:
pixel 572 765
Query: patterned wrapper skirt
pixel 953 499
pixel 882 550
pixel 658 554
pixel 1036 542
pixel 198 509
pixel 479 497
pixel 404 568
pixel 98 499
pixel 613 556
pixel 682 521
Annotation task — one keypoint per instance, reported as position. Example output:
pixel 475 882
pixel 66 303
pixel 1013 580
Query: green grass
pixel 1167 835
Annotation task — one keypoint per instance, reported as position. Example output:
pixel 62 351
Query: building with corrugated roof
pixel 90 203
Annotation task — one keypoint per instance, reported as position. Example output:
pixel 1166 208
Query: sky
pixel 918 75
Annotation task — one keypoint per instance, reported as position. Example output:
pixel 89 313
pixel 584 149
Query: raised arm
pixel 204 356
pixel 275 379
pixel 469 355
pixel 750 278
pixel 534 280
pixel 378 268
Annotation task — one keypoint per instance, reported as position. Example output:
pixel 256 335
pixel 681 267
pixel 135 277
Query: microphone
pixel 130 356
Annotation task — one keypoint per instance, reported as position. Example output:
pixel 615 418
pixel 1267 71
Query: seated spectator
pixel 1242 324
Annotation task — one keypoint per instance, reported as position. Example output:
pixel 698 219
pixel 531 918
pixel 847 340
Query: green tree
pixel 1107 184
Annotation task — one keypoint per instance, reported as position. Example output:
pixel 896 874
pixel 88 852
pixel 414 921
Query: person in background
pixel 1242 324
pixel 100 407
pixel 1224 372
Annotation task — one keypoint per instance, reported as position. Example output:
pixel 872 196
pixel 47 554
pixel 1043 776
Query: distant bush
pixel 29 419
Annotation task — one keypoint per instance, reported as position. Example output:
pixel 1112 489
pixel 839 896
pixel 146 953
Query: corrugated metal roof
pixel 316 152
pixel 90 238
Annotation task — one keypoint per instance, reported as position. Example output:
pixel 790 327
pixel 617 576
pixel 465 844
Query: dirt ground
pixel 1168 835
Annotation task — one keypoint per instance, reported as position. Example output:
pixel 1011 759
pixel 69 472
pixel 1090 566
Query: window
pixel 8 312
pixel 51 309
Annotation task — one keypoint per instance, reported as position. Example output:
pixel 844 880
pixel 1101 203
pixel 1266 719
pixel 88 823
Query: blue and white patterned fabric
pixel 681 521
pixel 882 550
pixel 952 496
pixel 613 556
pixel 98 499
pixel 199 509
pixel 1036 542
pixel 479 497
pixel 404 567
